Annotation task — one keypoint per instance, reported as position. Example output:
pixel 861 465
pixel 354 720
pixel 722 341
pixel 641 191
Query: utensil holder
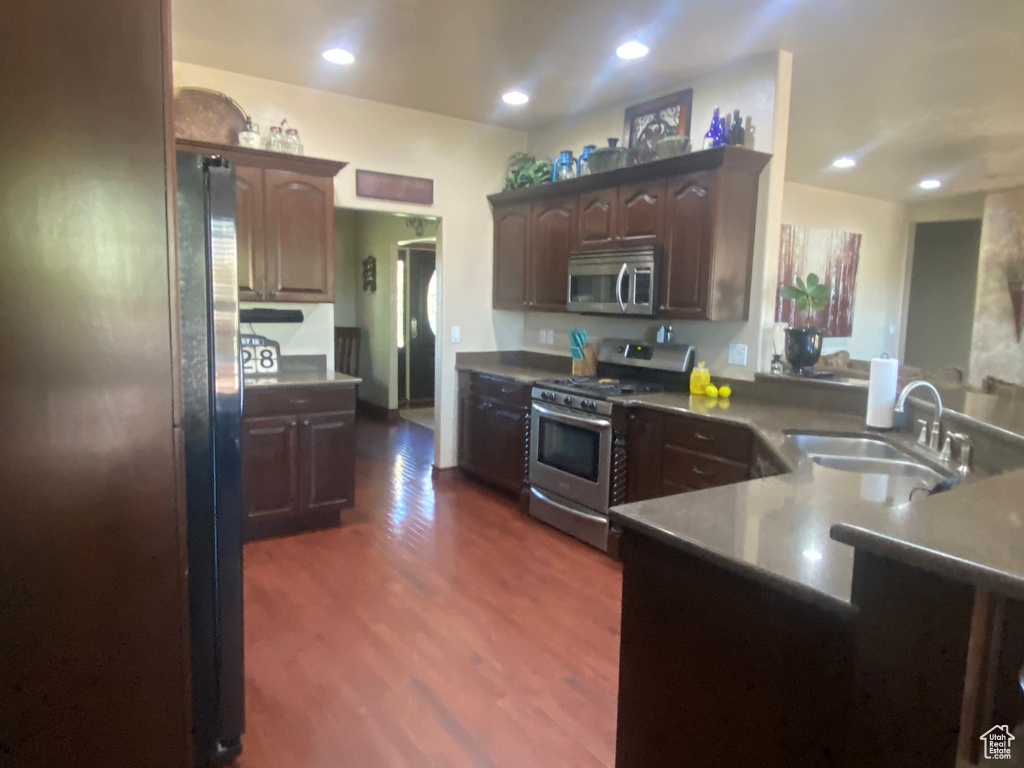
pixel 588 365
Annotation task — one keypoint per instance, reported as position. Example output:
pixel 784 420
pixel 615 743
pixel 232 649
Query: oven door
pixel 570 455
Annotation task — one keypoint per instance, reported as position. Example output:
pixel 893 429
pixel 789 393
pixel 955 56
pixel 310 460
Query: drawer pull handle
pixel 705 438
pixel 300 400
pixel 702 472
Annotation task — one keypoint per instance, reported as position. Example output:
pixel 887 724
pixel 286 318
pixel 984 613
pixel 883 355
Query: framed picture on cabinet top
pixel 647 123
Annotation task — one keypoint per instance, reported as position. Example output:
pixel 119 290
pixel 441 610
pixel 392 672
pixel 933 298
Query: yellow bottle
pixel 699 379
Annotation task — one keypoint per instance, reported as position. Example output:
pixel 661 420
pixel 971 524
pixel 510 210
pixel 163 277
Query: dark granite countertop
pixel 524 367
pixel 797 531
pixel 302 379
pixel 792 530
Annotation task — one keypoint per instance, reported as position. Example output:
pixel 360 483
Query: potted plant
pixel 803 344
pixel 525 170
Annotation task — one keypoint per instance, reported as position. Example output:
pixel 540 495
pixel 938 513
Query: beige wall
pixel 467 162
pixel 376 313
pixel 995 350
pixel 313 336
pixel 760 87
pixel 878 307
pixel 346 279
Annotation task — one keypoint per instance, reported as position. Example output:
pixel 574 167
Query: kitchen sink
pixel 902 470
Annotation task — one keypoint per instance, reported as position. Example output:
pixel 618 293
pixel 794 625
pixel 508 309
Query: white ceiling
pixel 911 88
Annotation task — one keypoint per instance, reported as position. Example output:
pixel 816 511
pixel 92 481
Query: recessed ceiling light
pixel 339 56
pixel 930 184
pixel 813 555
pixel 632 50
pixel 844 162
pixel 515 98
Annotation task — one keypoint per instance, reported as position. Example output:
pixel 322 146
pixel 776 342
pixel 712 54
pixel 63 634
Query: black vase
pixel 803 348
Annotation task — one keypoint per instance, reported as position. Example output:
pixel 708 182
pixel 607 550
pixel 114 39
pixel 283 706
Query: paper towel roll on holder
pixel 881 413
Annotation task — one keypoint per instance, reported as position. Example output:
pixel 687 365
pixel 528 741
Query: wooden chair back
pixel 347 342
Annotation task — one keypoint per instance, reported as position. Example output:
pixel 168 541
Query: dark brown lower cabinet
pixel 718 670
pixel 270 475
pixel 327 484
pixel 298 459
pixel 494 416
pixel 674 453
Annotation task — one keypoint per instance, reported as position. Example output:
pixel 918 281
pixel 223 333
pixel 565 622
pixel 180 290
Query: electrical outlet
pixel 737 354
pixel 456 334
pixel 551 336
pixel 542 336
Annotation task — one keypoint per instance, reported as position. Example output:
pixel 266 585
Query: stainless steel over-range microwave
pixel 624 281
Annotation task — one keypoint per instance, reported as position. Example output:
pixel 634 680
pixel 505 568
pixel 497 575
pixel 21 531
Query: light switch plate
pixel 456 334
pixel 542 336
pixel 551 336
pixel 737 354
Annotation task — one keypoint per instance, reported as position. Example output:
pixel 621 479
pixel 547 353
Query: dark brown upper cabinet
pixel 510 255
pixel 597 218
pixel 299 236
pixel 552 238
pixel 641 213
pixel 249 232
pixel 284 224
pixel 688 246
pixel 700 208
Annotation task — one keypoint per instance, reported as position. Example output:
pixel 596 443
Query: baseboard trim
pixel 445 473
pixel 376 412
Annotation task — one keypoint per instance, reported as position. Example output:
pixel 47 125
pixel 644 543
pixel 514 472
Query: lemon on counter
pixel 724 391
pixel 711 391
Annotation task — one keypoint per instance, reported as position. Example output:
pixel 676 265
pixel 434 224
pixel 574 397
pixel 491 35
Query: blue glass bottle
pixel 583 163
pixel 713 131
pixel 564 167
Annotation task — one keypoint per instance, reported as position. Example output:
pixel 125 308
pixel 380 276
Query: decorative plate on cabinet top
pixel 205 115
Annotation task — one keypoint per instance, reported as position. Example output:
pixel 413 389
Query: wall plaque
pixel 390 186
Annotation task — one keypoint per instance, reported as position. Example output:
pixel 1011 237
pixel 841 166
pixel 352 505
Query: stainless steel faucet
pixel 934 433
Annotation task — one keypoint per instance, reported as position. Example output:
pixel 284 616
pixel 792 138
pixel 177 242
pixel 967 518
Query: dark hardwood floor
pixel 440 627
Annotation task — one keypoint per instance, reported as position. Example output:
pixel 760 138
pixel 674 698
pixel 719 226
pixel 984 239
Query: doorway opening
pixel 940 310
pixel 416 325
pixel 388 296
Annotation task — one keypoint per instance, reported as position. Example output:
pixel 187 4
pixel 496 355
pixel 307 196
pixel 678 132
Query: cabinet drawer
pixel 505 390
pixel 293 400
pixel 725 441
pixel 695 470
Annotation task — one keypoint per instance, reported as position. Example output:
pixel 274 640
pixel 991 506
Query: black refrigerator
pixel 212 422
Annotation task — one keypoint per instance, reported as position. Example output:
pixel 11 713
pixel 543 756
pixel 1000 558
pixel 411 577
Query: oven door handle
pixel 618 287
pixel 570 418
pixel 574 510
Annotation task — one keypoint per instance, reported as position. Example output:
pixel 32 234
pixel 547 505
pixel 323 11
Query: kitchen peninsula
pixel 814 617
pixel 298 452
pixel 816 612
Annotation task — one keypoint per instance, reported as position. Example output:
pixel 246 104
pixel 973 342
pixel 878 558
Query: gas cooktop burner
pixel 595 387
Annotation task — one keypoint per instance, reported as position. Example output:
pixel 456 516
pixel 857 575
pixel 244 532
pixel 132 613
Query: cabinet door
pixel 508 445
pixel 249 232
pixel 270 473
pixel 299 230
pixel 597 214
pixel 474 440
pixel 510 250
pixel 688 246
pixel 644 444
pixel 641 217
pixel 327 460
pixel 552 237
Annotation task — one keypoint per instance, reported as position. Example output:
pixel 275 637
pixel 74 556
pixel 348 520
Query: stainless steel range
pixel 573 438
